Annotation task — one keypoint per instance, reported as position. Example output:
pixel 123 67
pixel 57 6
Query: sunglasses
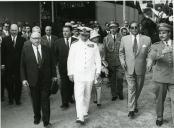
pixel 134 27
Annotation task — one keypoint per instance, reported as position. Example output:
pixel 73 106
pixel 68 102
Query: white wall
pixel 106 12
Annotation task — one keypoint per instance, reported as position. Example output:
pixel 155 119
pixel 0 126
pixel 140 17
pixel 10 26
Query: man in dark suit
pixel 112 43
pixel 11 55
pixel 37 70
pixel 48 39
pixel 62 46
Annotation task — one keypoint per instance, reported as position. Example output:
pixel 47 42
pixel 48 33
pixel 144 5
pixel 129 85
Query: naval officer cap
pixel 84 30
pixel 68 24
pixel 75 27
pixel 164 27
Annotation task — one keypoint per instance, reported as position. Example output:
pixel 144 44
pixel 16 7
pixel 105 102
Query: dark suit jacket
pixel 11 55
pixel 29 67
pixel 61 53
pixel 45 40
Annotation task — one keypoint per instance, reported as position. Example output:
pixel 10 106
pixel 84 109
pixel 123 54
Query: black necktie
pixel 67 43
pixel 135 46
pixel 13 41
pixel 114 38
pixel 38 58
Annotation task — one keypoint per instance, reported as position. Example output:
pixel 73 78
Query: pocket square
pixel 144 46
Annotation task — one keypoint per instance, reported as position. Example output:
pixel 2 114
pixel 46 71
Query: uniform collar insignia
pixel 90 45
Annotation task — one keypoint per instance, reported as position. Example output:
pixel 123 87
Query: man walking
pixel 161 57
pixel 112 43
pixel 11 57
pixel 133 52
pixel 37 71
pixel 84 66
pixel 61 49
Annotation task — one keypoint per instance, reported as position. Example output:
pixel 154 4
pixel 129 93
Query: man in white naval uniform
pixel 84 66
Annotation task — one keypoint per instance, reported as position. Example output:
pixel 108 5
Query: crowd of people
pixel 83 57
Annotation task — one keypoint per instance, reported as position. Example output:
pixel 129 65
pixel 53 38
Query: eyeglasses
pixel 134 27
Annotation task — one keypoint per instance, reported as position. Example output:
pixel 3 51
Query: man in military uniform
pixel 162 56
pixel 112 43
pixel 84 66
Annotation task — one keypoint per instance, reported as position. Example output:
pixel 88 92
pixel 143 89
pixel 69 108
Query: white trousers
pixel 82 92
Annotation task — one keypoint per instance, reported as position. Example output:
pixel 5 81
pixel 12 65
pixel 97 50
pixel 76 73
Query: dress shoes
pixel 36 121
pixel 64 106
pixel 48 125
pixel 114 98
pixel 95 102
pixel 159 122
pixel 136 110
pixel 98 105
pixel 131 114
pixel 80 122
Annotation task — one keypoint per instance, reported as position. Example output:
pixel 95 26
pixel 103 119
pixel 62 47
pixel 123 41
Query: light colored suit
pixel 84 62
pixel 163 75
pixel 135 65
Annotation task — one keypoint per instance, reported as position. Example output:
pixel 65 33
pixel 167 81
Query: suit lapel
pixel 140 44
pixel 43 53
pixel 33 57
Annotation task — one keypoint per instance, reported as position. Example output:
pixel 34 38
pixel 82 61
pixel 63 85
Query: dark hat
pixel 164 27
pixel 84 30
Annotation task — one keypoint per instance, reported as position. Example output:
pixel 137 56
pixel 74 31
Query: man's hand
pixel 25 83
pixel 2 67
pixel 149 64
pixel 167 50
pixel 71 78
pixel 54 79
pixel 124 66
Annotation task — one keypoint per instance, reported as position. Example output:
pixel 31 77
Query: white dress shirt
pixel 13 38
pixel 6 32
pixel 84 61
pixel 138 40
pixel 48 37
pixel 114 35
pixel 69 41
pixel 168 43
pixel 35 51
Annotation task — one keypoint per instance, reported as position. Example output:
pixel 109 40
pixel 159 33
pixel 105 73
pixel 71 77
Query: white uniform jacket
pixel 84 60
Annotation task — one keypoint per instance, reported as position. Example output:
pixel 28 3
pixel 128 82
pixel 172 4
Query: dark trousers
pixel 67 90
pixel 41 101
pixel 116 79
pixel 14 88
pixel 3 84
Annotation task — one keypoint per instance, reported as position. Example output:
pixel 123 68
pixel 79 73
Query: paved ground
pixel 110 115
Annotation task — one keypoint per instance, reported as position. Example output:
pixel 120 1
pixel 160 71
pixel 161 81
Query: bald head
pixel 35 38
pixel 36 29
pixel 48 30
pixel 14 29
